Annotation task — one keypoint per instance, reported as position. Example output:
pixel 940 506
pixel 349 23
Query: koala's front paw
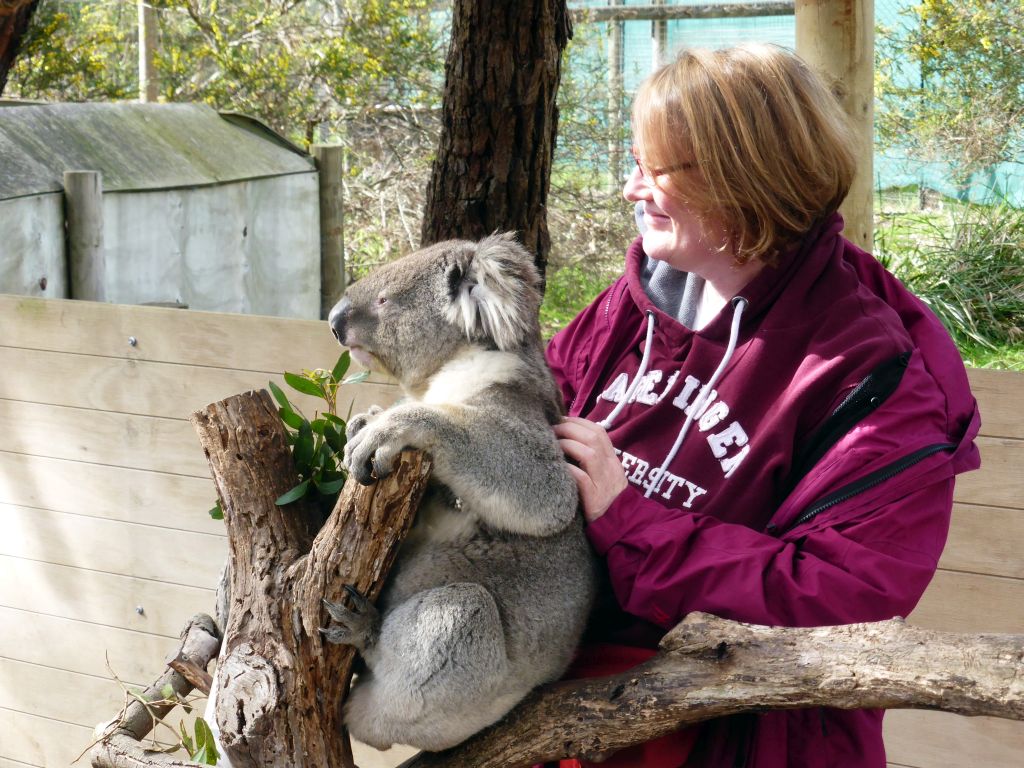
pixel 358 626
pixel 356 423
pixel 370 454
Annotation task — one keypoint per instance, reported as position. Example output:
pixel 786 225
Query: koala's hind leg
pixel 438 656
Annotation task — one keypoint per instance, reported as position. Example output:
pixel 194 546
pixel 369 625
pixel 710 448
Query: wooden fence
pixel 106 547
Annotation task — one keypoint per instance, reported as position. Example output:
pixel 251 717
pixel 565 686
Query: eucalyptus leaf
pixel 168 692
pixel 303 451
pixel 318 425
pixel 303 385
pixel 279 395
pixel 295 493
pixel 335 419
pixel 335 438
pixel 217 512
pixel 331 486
pixel 355 378
pixel 290 418
pixel 342 365
pixel 206 746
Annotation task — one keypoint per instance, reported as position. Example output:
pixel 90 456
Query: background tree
pixel 951 83
pixel 14 19
pixel 492 168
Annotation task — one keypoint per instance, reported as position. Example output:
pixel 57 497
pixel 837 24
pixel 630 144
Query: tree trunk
pixel 499 120
pixel 14 18
pixel 710 667
pixel 280 685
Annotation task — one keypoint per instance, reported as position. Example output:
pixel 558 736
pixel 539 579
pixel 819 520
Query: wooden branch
pixel 121 746
pixel 280 686
pixel 710 667
pixel 674 12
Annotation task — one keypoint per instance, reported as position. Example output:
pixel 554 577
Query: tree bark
pixel 14 18
pixel 710 667
pixel 498 122
pixel 280 685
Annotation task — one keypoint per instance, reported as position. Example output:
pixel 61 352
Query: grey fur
pixel 492 587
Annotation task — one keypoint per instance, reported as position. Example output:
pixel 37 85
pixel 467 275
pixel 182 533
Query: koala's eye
pixel 382 300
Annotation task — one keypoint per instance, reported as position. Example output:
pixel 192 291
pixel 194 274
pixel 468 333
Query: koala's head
pixel 409 317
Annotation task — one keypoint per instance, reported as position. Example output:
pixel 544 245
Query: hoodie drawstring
pixel 739 304
pixel 645 360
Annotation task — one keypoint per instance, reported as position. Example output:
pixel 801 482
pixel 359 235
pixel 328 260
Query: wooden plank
pixel 1000 395
pixel 1000 481
pixel 985 540
pixel 219 340
pixel 967 602
pixel 101 598
pixel 116 493
pixel 110 546
pixel 79 646
pixel 35 740
pixel 943 740
pixel 100 437
pixel 140 387
pixel 31 688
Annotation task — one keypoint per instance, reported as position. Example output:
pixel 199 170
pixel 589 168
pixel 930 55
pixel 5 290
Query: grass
pixel 967 263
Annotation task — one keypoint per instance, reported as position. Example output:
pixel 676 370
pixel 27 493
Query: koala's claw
pixel 357 626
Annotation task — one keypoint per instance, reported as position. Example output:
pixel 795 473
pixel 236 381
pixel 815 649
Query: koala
pixel 492 587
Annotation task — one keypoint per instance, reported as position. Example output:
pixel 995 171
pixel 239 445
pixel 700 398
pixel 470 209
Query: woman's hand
pixel 597 470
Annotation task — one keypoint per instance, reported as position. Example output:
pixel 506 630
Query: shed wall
pixel 251 246
pixel 104 492
pixel 32 246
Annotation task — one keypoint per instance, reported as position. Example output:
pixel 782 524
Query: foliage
pixel 317 444
pixel 303 66
pixel 201 745
pixel 967 264
pixel 961 98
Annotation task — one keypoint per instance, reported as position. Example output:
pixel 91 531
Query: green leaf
pixel 302 454
pixel 335 419
pixel 302 384
pixel 331 486
pixel 279 395
pixel 318 425
pixel 341 366
pixel 335 438
pixel 217 512
pixel 168 692
pixel 295 493
pixel 290 418
pixel 206 746
pixel 355 378
pixel 186 740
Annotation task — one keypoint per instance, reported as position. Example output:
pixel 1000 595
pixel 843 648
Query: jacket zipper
pixel 868 482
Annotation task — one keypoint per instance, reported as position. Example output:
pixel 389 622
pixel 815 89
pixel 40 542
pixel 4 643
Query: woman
pixel 763 423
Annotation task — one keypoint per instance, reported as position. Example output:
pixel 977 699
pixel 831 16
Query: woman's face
pixel 674 232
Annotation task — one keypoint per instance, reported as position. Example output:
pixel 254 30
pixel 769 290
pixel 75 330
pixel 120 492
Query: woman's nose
pixel 635 188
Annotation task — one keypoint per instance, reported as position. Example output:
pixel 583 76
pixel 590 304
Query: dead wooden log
pixel 280 686
pixel 710 667
pixel 121 744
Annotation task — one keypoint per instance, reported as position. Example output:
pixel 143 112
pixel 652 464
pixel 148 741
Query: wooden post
pixel 659 39
pixel 83 212
pixel 148 85
pixel 837 37
pixel 329 159
pixel 615 99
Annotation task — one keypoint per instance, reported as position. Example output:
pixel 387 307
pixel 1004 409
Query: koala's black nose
pixel 339 318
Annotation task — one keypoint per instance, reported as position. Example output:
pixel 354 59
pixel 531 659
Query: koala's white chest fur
pixel 470 373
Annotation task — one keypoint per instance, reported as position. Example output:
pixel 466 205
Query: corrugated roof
pixel 136 147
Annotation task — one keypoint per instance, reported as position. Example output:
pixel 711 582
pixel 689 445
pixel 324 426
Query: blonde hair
pixel 771 149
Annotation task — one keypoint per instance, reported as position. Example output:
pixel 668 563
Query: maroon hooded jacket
pixel 813 484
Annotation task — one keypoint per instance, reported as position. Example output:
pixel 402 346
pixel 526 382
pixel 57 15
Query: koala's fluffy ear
pixel 494 289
